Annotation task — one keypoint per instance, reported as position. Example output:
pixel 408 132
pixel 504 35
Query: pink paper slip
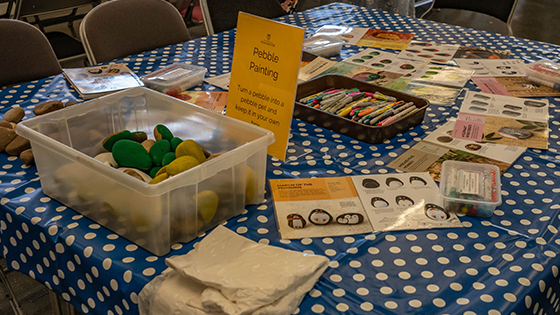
pixel 469 127
pixel 490 85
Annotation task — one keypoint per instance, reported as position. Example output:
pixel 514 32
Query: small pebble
pixel 6 124
pixel 47 107
pixel 168 158
pixel 112 139
pixel 175 142
pixel 148 144
pixel 14 115
pixel 70 103
pixel 107 158
pixel 154 171
pixel 181 164
pixel 159 178
pixel 162 170
pixel 136 173
pixel 213 156
pixel 18 145
pixel 139 136
pixel 6 136
pixel 129 153
pixel 27 157
pixel 158 150
pixel 192 148
pixel 162 132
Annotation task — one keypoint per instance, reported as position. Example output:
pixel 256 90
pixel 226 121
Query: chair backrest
pixel 35 7
pixel 26 54
pixel 221 15
pixel 119 28
pixel 500 9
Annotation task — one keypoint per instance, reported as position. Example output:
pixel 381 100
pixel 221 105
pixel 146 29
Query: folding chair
pixel 119 28
pixel 9 291
pixel 66 47
pixel 29 55
pixel 446 11
pixel 221 15
pixel 9 6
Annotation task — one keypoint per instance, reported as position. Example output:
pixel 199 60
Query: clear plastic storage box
pixel 64 143
pixel 174 78
pixel 470 188
pixel 324 46
pixel 544 72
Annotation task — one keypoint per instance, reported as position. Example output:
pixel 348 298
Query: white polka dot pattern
pixel 494 263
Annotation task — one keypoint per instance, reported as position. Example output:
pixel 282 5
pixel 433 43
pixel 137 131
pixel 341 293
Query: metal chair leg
pixel 70 310
pixel 60 306
pixel 10 293
pixel 55 303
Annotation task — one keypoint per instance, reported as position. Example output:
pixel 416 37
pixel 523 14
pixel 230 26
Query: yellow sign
pixel 264 76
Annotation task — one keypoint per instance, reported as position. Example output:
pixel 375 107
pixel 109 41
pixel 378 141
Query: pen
pixel 345 111
pixel 402 108
pixel 325 104
pixel 310 98
pixel 384 97
pixel 385 114
pixel 349 99
pixel 396 116
pixel 400 115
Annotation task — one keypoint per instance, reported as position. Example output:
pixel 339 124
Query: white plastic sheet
pixel 229 274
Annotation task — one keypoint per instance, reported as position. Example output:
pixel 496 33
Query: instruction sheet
pixel 321 207
pixel 503 119
pixel 407 201
pixel 437 147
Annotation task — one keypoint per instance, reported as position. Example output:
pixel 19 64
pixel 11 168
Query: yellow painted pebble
pixel 181 164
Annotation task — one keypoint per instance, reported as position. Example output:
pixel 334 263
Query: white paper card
pixel 403 202
pixel 493 68
pixel 505 106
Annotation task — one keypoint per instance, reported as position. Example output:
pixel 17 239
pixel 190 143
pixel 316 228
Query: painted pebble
pixel 296 221
pixel 192 148
pixel 350 218
pixel 136 173
pixel 128 153
pixel 162 132
pixel 320 217
pixel 181 164
pixel 107 158
pixel 110 141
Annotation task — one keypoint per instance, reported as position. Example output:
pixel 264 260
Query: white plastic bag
pixel 229 274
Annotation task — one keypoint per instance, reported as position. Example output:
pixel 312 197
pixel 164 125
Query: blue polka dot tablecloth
pixel 506 264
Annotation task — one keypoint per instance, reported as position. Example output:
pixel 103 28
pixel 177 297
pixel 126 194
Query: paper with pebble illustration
pixel 438 53
pixel 503 120
pixel 407 201
pixel 438 146
pixel 321 207
pixel 493 68
pixel 318 207
pixel 382 60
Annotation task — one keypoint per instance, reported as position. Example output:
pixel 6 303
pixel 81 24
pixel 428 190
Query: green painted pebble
pixel 162 132
pixel 128 153
pixel 110 141
pixel 168 158
pixel 154 171
pixel 175 142
pixel 158 150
